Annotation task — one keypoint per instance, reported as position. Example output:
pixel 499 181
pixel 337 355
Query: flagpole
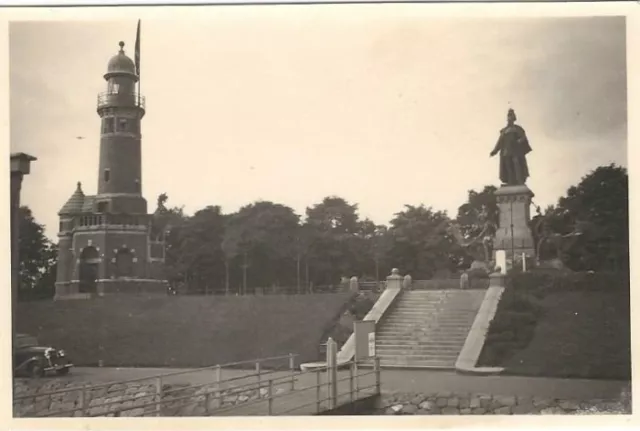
pixel 137 61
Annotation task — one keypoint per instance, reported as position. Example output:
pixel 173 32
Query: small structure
pixel 354 287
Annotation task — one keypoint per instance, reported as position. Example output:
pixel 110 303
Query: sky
pixel 292 104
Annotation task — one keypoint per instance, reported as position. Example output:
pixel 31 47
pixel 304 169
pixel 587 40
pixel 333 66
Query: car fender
pixel 27 362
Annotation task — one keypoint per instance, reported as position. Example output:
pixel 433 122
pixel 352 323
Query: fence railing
pixel 268 389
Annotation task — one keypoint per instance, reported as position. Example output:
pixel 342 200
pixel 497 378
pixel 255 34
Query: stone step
pixel 390 349
pixel 417 361
pixel 458 339
pixel 408 318
pixel 427 327
pixel 412 342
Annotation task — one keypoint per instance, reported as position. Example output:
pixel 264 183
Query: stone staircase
pixel 427 328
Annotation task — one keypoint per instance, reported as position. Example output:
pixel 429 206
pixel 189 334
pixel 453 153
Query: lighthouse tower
pixel 108 243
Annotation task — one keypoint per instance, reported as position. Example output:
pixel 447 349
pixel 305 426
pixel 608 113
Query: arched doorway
pixel 124 263
pixel 88 276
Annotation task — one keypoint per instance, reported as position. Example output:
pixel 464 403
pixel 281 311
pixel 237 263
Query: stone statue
pixel 513 147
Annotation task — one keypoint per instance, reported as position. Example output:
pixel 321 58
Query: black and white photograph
pixel 318 210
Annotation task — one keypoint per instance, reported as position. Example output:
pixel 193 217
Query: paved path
pixel 394 381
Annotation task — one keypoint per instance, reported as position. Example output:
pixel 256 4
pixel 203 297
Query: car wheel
pixel 63 371
pixel 36 370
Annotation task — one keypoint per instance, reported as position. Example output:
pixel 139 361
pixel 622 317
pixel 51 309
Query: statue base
pixel 513 234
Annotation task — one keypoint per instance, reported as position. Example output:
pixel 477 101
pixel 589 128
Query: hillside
pixel 574 326
pixel 183 331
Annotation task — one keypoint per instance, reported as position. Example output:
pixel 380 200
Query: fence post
pixel 351 381
pixel 270 397
pixel 332 369
pixel 258 372
pixel 158 396
pixel 318 401
pixel 292 368
pixel 376 367
pixel 83 401
pixel 218 385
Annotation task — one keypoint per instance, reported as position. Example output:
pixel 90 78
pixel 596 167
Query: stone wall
pixel 485 404
pixel 106 400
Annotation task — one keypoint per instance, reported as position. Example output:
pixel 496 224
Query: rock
pixel 523 409
pixel 542 402
pixel 397 408
pixel 409 409
pixel 418 399
pixel 474 402
pixel 505 401
pixel 569 404
pixel 243 398
pixel 427 405
pixel 552 411
pixel 506 410
pixel 478 411
pixel 442 402
pixel 485 403
pixel 465 411
pixel 465 403
pixel 453 402
pixel 450 411
pixel 444 394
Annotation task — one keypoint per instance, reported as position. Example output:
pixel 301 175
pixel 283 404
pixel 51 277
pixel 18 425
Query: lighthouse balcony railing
pixel 112 98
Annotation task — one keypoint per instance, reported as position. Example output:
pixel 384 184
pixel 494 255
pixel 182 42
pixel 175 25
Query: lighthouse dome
pixel 121 64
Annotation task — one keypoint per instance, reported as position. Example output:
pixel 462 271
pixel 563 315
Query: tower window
pixel 123 124
pixel 107 175
pixel 107 125
pixel 102 207
pixel 113 87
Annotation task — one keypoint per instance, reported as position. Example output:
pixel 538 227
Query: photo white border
pixel 495 10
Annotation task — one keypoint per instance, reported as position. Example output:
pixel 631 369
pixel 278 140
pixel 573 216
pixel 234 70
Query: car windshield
pixel 26 341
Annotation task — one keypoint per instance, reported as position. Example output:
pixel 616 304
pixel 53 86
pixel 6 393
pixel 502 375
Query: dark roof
pixel 74 203
pixel 120 63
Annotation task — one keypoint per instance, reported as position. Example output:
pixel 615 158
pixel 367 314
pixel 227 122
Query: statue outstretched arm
pixel 497 147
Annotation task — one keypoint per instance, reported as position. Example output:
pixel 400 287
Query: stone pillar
pixel 513 234
pixel 501 261
pixel 406 283
pixel 394 281
pixel 464 280
pixel 20 166
pixel 353 285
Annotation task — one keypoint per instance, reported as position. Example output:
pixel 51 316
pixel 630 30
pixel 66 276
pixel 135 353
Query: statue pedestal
pixel 513 234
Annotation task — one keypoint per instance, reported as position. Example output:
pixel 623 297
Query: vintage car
pixel 33 360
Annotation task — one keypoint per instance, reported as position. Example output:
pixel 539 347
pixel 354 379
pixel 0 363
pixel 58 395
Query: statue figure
pixel 552 246
pixel 513 147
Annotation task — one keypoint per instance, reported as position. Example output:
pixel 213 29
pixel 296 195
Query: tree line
pixel 266 244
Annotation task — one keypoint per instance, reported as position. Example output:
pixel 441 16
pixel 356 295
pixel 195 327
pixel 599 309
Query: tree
pixel 332 226
pixel 421 244
pixel 38 257
pixel 263 235
pixel 599 208
pixel 201 256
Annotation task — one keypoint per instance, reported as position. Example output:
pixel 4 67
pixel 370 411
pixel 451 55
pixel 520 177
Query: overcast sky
pixel 292 104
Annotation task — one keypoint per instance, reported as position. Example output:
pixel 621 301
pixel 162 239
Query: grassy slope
pixel 563 326
pixel 183 331
pixel 579 335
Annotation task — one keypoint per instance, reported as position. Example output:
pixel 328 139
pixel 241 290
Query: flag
pixel 137 58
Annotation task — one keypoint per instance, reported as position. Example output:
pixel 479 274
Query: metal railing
pixel 256 392
pixel 110 98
